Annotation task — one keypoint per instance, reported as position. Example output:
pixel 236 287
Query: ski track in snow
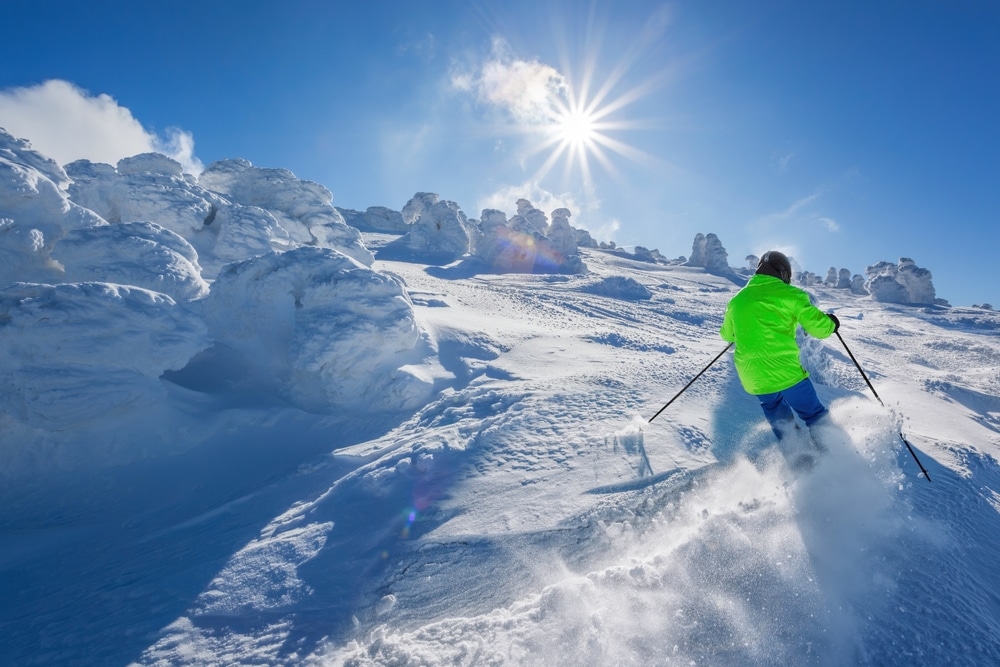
pixel 464 533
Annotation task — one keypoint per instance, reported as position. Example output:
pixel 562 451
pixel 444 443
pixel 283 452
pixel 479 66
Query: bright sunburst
pixel 579 123
pixel 572 116
pixel 575 128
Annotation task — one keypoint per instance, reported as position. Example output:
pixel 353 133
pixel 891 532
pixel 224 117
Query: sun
pixel 579 125
pixel 575 128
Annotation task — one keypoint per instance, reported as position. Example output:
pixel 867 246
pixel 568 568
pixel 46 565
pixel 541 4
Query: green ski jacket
pixel 761 319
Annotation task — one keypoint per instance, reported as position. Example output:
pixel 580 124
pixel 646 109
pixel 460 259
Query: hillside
pixel 375 459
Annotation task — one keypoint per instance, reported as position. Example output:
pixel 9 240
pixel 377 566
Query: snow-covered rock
pixel 903 283
pixel 303 209
pixel 319 329
pixel 73 353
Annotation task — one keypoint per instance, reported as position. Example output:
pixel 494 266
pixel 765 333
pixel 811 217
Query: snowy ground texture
pixel 491 493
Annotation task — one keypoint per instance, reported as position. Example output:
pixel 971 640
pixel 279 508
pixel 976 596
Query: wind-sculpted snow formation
pixel 528 243
pixel 151 188
pixel 904 283
pixel 438 231
pixel 708 253
pixel 73 352
pixel 303 209
pixel 35 212
pixel 378 219
pixel 245 274
pixel 318 329
pixel 106 287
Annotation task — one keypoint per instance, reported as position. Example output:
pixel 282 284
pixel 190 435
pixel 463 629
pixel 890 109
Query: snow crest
pixel 322 330
pixel 118 282
pixel 35 212
pixel 149 189
pixel 72 353
pixel 304 209
pixel 903 283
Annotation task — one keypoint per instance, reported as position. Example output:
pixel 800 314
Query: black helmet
pixel 774 263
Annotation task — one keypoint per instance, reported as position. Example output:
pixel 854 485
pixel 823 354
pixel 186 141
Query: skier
pixel 761 320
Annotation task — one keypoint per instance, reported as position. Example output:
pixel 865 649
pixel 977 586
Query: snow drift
pixel 319 329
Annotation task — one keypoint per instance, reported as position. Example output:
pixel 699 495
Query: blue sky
pixel 844 133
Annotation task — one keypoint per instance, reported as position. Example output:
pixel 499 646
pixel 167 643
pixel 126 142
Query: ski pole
pixel 875 393
pixel 717 357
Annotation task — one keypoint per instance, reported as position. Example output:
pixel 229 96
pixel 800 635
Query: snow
pixel 904 282
pixel 378 219
pixel 317 328
pixel 270 438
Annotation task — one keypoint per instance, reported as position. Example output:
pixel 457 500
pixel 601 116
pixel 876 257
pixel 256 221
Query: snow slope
pixel 329 463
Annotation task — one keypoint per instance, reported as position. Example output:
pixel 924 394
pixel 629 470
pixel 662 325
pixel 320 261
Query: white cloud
pixel 67 123
pixel 793 213
pixel 797 207
pixel 830 224
pixel 782 161
pixel 606 231
pixel 524 88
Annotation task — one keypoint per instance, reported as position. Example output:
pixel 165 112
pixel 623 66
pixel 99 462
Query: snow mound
pixel 73 353
pixel 136 253
pixel 377 219
pixel 150 163
pixel 562 238
pixel 520 246
pixel 148 188
pixel 319 329
pixel 418 203
pixel 903 283
pixel 302 208
pixel 441 230
pixel 440 233
pixel 35 212
pixel 619 287
pixel 534 219
pixel 708 252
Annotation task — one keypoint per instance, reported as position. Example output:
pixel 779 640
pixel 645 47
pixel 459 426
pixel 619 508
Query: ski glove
pixel 836 322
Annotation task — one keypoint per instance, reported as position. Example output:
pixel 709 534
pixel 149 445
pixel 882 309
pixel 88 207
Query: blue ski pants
pixel 799 397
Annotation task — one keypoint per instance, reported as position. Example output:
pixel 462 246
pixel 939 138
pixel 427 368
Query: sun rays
pixel 582 128
pixel 574 120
